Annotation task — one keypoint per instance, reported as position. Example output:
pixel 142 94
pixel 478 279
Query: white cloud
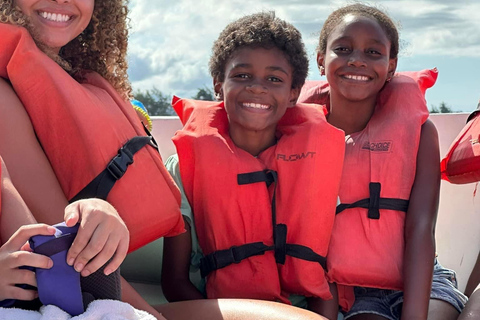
pixel 170 41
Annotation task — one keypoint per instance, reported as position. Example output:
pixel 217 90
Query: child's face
pixel 357 59
pixel 56 23
pixel 257 89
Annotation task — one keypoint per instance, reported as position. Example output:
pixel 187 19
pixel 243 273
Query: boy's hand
pixel 102 235
pixel 11 258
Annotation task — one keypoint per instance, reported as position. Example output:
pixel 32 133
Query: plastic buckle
pixel 232 255
pixel 118 166
pixel 225 257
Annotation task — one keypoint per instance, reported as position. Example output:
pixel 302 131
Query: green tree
pixel 442 108
pixel 155 101
pixel 204 94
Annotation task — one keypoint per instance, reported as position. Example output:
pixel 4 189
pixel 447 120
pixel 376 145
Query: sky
pixel 171 41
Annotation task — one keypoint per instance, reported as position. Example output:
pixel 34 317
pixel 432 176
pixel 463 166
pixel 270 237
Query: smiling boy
pixel 260 172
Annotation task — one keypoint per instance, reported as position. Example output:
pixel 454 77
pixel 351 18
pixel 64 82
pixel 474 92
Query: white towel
pixel 97 310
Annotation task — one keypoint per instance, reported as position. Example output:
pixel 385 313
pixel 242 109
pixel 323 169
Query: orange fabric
pixel 308 158
pixel 81 127
pixel 367 252
pixel 462 163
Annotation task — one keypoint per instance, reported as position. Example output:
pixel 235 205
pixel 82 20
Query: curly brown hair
pixel 262 30
pixel 381 17
pixel 101 47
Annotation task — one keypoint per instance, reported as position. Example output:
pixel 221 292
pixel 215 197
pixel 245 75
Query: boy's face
pixel 257 89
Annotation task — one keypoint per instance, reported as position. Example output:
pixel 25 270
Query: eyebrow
pixel 376 41
pixel 271 68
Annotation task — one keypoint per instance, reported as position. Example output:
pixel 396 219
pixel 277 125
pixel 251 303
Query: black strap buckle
pixel 118 166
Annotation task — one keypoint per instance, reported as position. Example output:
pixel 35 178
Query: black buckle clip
pixel 118 166
pixel 226 257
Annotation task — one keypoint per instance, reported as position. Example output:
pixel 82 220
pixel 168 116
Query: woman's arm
pixel 37 184
pixel 16 227
pixel 420 227
pixel 29 168
pixel 234 309
pixel 14 212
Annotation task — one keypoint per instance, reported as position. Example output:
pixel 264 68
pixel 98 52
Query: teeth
pixel 358 78
pixel 256 105
pixel 57 17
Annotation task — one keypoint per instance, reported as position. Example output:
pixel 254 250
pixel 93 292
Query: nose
pixel 357 59
pixel 256 88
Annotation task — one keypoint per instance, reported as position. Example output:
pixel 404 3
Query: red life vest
pixel 367 242
pixel 462 163
pixel 256 237
pixel 84 129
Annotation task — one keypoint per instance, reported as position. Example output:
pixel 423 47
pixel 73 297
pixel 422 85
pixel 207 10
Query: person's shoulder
pixel 429 131
pixel 7 93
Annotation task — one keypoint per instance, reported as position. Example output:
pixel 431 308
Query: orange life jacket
pixel 238 198
pixel 462 163
pixel 84 129
pixel 367 243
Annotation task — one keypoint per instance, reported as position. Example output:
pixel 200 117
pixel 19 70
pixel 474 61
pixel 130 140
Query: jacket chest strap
pixel 101 185
pixel 374 203
pixel 222 258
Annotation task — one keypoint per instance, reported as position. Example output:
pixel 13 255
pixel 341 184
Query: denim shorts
pixel 388 303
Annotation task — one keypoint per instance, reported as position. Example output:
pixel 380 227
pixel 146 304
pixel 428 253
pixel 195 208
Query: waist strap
pixel 235 254
pixel 375 203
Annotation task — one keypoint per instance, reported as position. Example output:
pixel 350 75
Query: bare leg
pixel 367 316
pixel 233 309
pixel 472 309
pixel 441 310
pixel 474 278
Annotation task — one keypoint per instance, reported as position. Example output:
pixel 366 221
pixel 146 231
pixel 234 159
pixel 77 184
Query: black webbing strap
pixel 152 142
pixel 267 176
pixel 56 245
pixel 305 253
pixel 375 203
pixel 222 258
pixel 101 185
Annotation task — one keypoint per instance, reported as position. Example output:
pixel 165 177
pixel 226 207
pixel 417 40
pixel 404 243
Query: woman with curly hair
pixel 59 60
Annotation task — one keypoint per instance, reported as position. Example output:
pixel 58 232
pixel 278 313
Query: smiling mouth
pixel 356 78
pixel 256 106
pixel 56 17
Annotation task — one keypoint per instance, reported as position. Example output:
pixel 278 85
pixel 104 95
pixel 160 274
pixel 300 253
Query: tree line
pixel 159 104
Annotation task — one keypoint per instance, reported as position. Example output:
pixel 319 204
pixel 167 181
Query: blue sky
pixel 170 41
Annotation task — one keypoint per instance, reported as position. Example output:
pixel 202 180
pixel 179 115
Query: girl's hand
pixel 102 235
pixel 11 258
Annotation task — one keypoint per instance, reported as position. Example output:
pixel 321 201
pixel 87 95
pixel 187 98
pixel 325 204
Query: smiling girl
pixel 383 241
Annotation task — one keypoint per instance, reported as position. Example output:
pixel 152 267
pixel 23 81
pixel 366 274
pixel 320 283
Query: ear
pixel 217 86
pixel 294 93
pixel 320 60
pixel 392 67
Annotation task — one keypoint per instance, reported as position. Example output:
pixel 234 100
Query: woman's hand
pixel 11 258
pixel 102 236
